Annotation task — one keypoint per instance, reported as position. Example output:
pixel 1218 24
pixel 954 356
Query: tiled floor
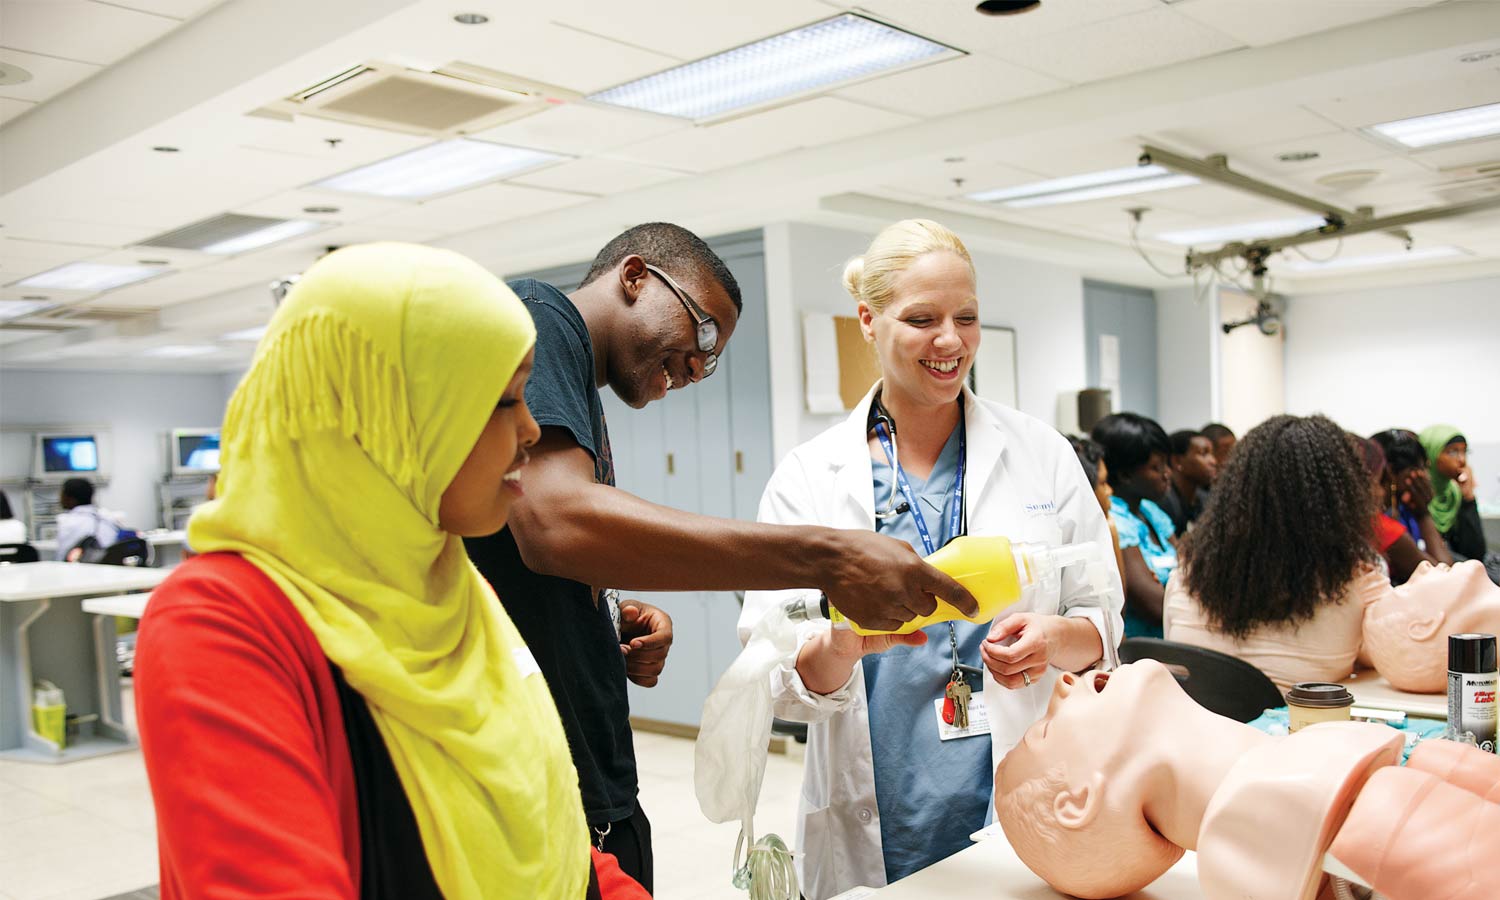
pixel 85 830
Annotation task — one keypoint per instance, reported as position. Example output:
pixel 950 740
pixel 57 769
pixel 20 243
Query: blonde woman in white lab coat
pixel 883 793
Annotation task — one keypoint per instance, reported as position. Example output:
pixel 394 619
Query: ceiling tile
pixel 476 208
pixel 598 176
pixel 177 9
pixel 1469 153
pixel 583 128
pixel 685 29
pixel 1133 43
pixel 958 24
pixel 951 86
pixel 69 231
pixel 809 123
pixel 177 287
pixel 1336 149
pixel 49 76
pixel 1263 22
pixel 79 30
pixel 293 205
pixel 9 108
pixel 1370 103
pixel 1246 126
pixel 566 57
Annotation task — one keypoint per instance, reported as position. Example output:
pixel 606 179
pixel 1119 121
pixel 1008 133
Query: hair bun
pixel 854 276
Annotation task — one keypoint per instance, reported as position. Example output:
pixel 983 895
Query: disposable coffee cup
pixel 1311 702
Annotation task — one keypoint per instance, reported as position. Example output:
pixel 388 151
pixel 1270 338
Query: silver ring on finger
pixel 1026 677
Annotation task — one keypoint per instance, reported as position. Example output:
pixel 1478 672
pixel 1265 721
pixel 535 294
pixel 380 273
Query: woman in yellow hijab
pixel 332 702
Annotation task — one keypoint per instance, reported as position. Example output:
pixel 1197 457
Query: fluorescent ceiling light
pixel 437 169
pixel 1245 231
pixel 844 48
pixel 90 277
pixel 181 351
pixel 1089 186
pixel 15 309
pixel 264 237
pixel 1374 259
pixel 245 334
pixel 1443 127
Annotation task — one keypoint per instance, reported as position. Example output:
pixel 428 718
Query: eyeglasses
pixel 707 328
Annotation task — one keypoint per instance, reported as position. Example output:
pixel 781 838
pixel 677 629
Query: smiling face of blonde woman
pixel 928 333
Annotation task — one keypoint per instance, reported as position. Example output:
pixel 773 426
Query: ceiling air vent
pixel 457 99
pixel 232 233
pixel 1473 182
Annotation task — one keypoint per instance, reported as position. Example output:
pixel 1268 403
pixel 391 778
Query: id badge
pixel 611 598
pixel 979 719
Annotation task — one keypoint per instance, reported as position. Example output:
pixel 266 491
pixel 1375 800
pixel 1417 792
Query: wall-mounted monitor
pixel 63 455
pixel 194 451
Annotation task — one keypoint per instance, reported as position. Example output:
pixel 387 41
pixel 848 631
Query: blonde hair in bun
pixel 872 277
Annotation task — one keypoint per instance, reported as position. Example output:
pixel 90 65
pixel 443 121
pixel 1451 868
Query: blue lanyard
pixel 956 504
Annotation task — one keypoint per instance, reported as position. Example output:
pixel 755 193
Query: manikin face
pixel 927 335
pixel 1075 787
pixel 1406 630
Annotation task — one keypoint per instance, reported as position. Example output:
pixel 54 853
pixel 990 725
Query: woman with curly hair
pixel 1280 567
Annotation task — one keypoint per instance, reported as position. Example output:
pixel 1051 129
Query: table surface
pixel 130 605
pixel 1370 689
pixel 154 538
pixel 54 580
pixel 990 870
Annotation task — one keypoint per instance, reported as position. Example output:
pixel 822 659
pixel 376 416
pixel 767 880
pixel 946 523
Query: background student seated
pixel 1408 491
pixel 12 530
pixel 1279 569
pixel 1194 467
pixel 1135 453
pixel 81 519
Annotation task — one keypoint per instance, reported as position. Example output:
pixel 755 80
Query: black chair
pixel 129 552
pixel 1220 683
pixel 18 553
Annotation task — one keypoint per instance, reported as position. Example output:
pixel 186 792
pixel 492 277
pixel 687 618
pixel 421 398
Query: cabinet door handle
pixel 671 465
pixel 739 462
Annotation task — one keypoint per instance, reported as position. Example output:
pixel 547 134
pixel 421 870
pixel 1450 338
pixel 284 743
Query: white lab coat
pixel 1025 483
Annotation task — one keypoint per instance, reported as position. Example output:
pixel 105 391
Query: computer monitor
pixel 195 451
pixel 63 455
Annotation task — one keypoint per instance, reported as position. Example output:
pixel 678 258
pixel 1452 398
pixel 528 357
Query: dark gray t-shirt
pixel 571 635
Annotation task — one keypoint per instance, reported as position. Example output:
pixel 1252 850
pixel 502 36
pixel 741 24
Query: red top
pixel 244 743
pixel 1387 530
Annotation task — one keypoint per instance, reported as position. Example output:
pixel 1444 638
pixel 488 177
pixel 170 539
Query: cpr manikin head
pixel 1406 630
pixel 1076 796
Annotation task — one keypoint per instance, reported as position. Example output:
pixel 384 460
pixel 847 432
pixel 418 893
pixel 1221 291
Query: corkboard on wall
pixel 858 366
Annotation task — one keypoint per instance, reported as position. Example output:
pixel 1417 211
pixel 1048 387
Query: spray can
pixel 1472 681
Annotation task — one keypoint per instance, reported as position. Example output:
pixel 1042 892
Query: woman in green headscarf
pixel 1453 507
pixel 332 702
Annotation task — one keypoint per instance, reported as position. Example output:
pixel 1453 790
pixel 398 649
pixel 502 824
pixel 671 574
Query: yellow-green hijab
pixel 366 394
pixel 1447 498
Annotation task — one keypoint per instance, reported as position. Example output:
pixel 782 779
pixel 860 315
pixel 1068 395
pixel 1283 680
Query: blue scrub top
pixel 931 794
pixel 1160 555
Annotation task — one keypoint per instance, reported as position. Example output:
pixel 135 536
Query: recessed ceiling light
pixel 1244 231
pixel 471 18
pixel 1374 259
pixel 180 351
pixel 320 210
pixel 1298 156
pixel 165 149
pixel 437 169
pixel 245 334
pixel 815 57
pixel 1006 7
pixel 1090 186
pixel 10 73
pixel 1442 128
pixel 90 277
pixel 232 233
pixel 15 309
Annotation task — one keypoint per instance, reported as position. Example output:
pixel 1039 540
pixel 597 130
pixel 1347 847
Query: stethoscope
pixel 895 505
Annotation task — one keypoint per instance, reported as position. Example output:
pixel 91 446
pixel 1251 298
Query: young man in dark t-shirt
pixel 655 310
pixel 1193 469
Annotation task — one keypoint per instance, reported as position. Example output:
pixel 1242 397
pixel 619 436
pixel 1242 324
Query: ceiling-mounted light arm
pixel 1264 248
pixel 1216 169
